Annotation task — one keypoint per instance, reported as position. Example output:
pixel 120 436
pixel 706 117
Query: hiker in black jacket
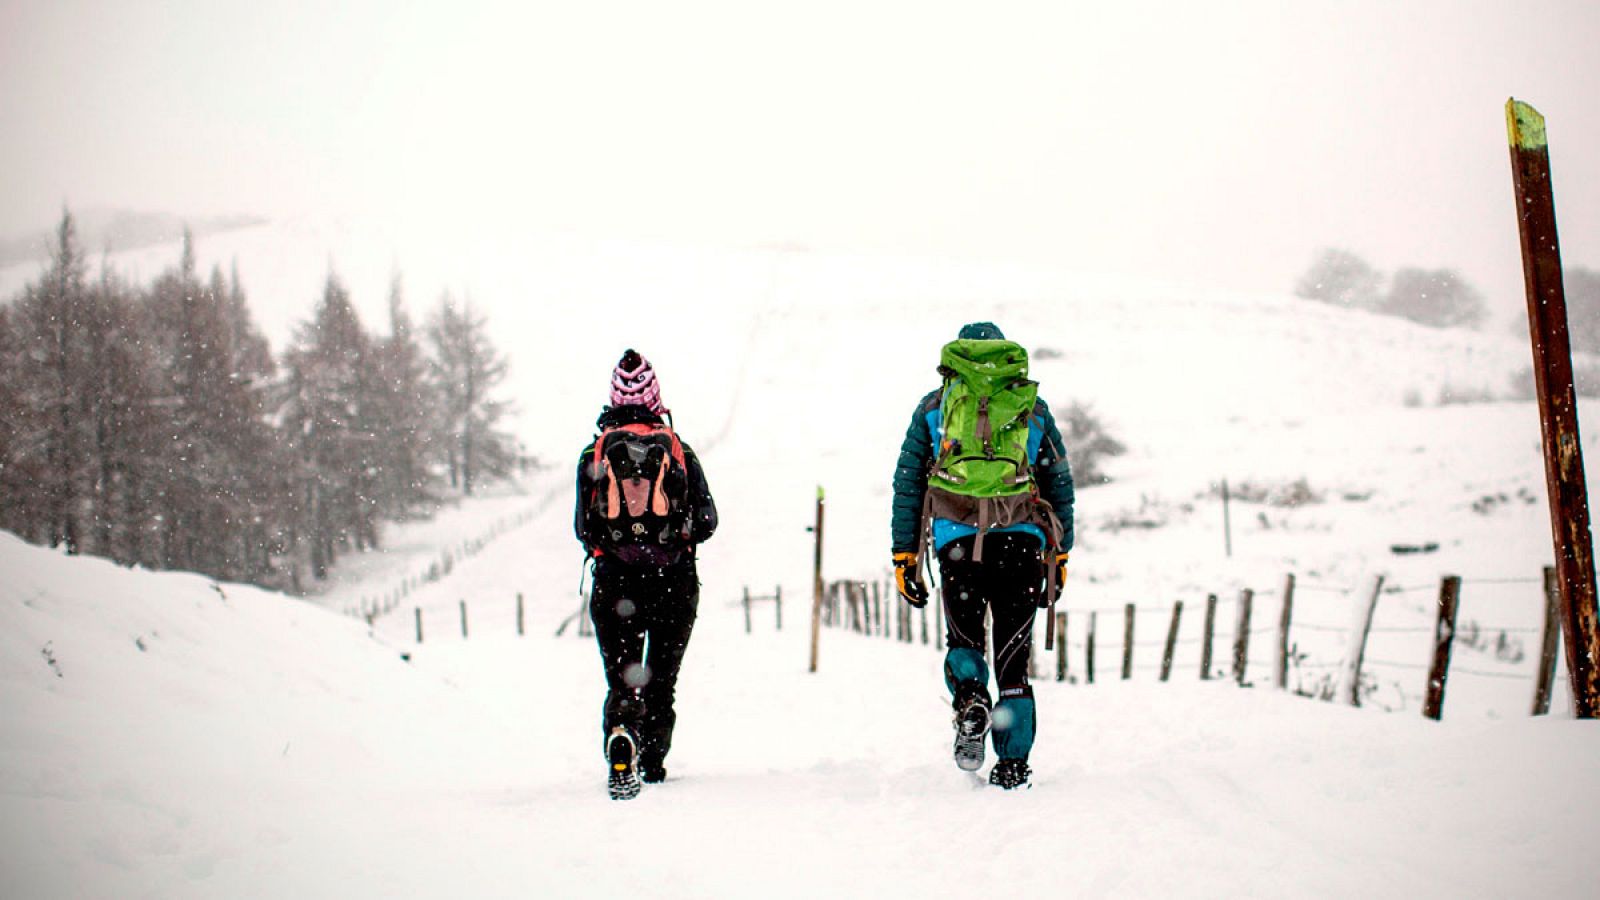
pixel 642 508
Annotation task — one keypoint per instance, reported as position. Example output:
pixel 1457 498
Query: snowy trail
pixel 474 770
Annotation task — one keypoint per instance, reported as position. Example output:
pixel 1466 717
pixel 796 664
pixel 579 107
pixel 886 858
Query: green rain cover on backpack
pixel 987 403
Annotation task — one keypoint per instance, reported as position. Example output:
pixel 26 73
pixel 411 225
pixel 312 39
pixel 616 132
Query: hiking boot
pixel 972 723
pixel 1010 774
pixel 621 755
pixel 652 771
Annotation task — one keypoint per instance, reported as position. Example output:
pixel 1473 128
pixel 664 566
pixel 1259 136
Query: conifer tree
pixel 466 371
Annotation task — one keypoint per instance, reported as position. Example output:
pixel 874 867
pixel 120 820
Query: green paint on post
pixel 1524 126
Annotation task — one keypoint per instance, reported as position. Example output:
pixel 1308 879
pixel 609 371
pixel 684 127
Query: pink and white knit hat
pixel 633 383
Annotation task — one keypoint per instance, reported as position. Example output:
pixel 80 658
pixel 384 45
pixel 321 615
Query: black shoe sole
pixel 970 733
pixel 623 779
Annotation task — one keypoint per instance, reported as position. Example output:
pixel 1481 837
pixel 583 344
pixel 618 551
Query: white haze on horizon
pixel 1218 146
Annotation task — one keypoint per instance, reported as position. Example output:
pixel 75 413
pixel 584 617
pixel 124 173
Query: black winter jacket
pixel 701 510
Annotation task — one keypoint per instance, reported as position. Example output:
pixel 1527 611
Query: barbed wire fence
pixel 1310 654
pixel 371 606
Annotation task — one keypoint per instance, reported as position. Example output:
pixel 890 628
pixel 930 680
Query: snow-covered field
pixel 162 737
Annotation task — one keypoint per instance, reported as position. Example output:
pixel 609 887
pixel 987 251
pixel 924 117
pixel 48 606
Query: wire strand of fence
pixel 1468 581
pixel 1481 673
pixel 1402 629
pixel 1314 626
pixel 1395 665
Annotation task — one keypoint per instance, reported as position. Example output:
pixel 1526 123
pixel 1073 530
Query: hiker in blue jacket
pixel 983 473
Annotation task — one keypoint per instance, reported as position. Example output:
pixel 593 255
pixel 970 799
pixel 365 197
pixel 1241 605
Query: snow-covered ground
pixel 167 737
pixel 261 746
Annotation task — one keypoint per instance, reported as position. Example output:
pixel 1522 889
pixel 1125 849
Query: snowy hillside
pixel 168 737
pixel 165 736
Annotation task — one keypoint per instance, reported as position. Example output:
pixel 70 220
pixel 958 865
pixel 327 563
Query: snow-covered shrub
pixel 1089 443
pixel 1585 381
pixel 1287 494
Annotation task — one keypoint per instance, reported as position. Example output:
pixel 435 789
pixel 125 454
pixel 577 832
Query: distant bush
pixel 1437 297
pixel 1044 353
pixel 1288 494
pixel 1341 278
pixel 1455 395
pixel 1089 444
pixel 1582 288
pixel 1585 382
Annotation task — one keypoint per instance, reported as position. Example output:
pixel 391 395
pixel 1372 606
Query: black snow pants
pixel 1008 583
pixel 642 619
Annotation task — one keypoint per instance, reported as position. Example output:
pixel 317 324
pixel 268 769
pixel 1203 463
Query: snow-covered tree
pixel 466 371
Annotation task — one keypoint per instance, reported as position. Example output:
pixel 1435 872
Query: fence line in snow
pixel 872 609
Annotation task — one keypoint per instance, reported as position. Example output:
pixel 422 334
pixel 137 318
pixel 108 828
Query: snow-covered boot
pixel 972 724
pixel 1010 774
pixel 621 755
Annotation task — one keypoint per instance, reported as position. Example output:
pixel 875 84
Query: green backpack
pixel 981 472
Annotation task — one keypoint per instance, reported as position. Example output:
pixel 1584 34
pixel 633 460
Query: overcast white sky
pixel 1214 143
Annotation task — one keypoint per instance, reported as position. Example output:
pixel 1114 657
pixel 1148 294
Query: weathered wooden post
pixel 1558 410
pixel 519 614
pixel 419 624
pixel 747 609
pixel 1172 641
pixel 1128 612
pixel 816 584
pixel 938 618
pixel 463 619
pixel 1284 614
pixel 777 602
pixel 1241 636
pixel 1444 632
pixel 1361 626
pixel 922 614
pixel 1547 650
pixel 1227 523
pixel 1061 646
pixel 1205 637
pixel 1088 652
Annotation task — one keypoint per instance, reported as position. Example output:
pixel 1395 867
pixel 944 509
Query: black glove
pixel 908 579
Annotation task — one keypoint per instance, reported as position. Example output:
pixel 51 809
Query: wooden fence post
pixel 923 615
pixel 1172 641
pixel 1227 523
pixel 1241 636
pixel 463 618
pixel 777 599
pixel 1284 615
pixel 1547 651
pixel 1350 689
pixel 1205 638
pixel 419 624
pixel 1061 646
pixel 747 609
pixel 1558 407
pixel 816 585
pixel 1088 651
pixel 519 614
pixel 1128 613
pixel 1444 632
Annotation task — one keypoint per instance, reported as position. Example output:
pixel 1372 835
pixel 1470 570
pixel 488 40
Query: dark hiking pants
pixel 643 616
pixel 1008 584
